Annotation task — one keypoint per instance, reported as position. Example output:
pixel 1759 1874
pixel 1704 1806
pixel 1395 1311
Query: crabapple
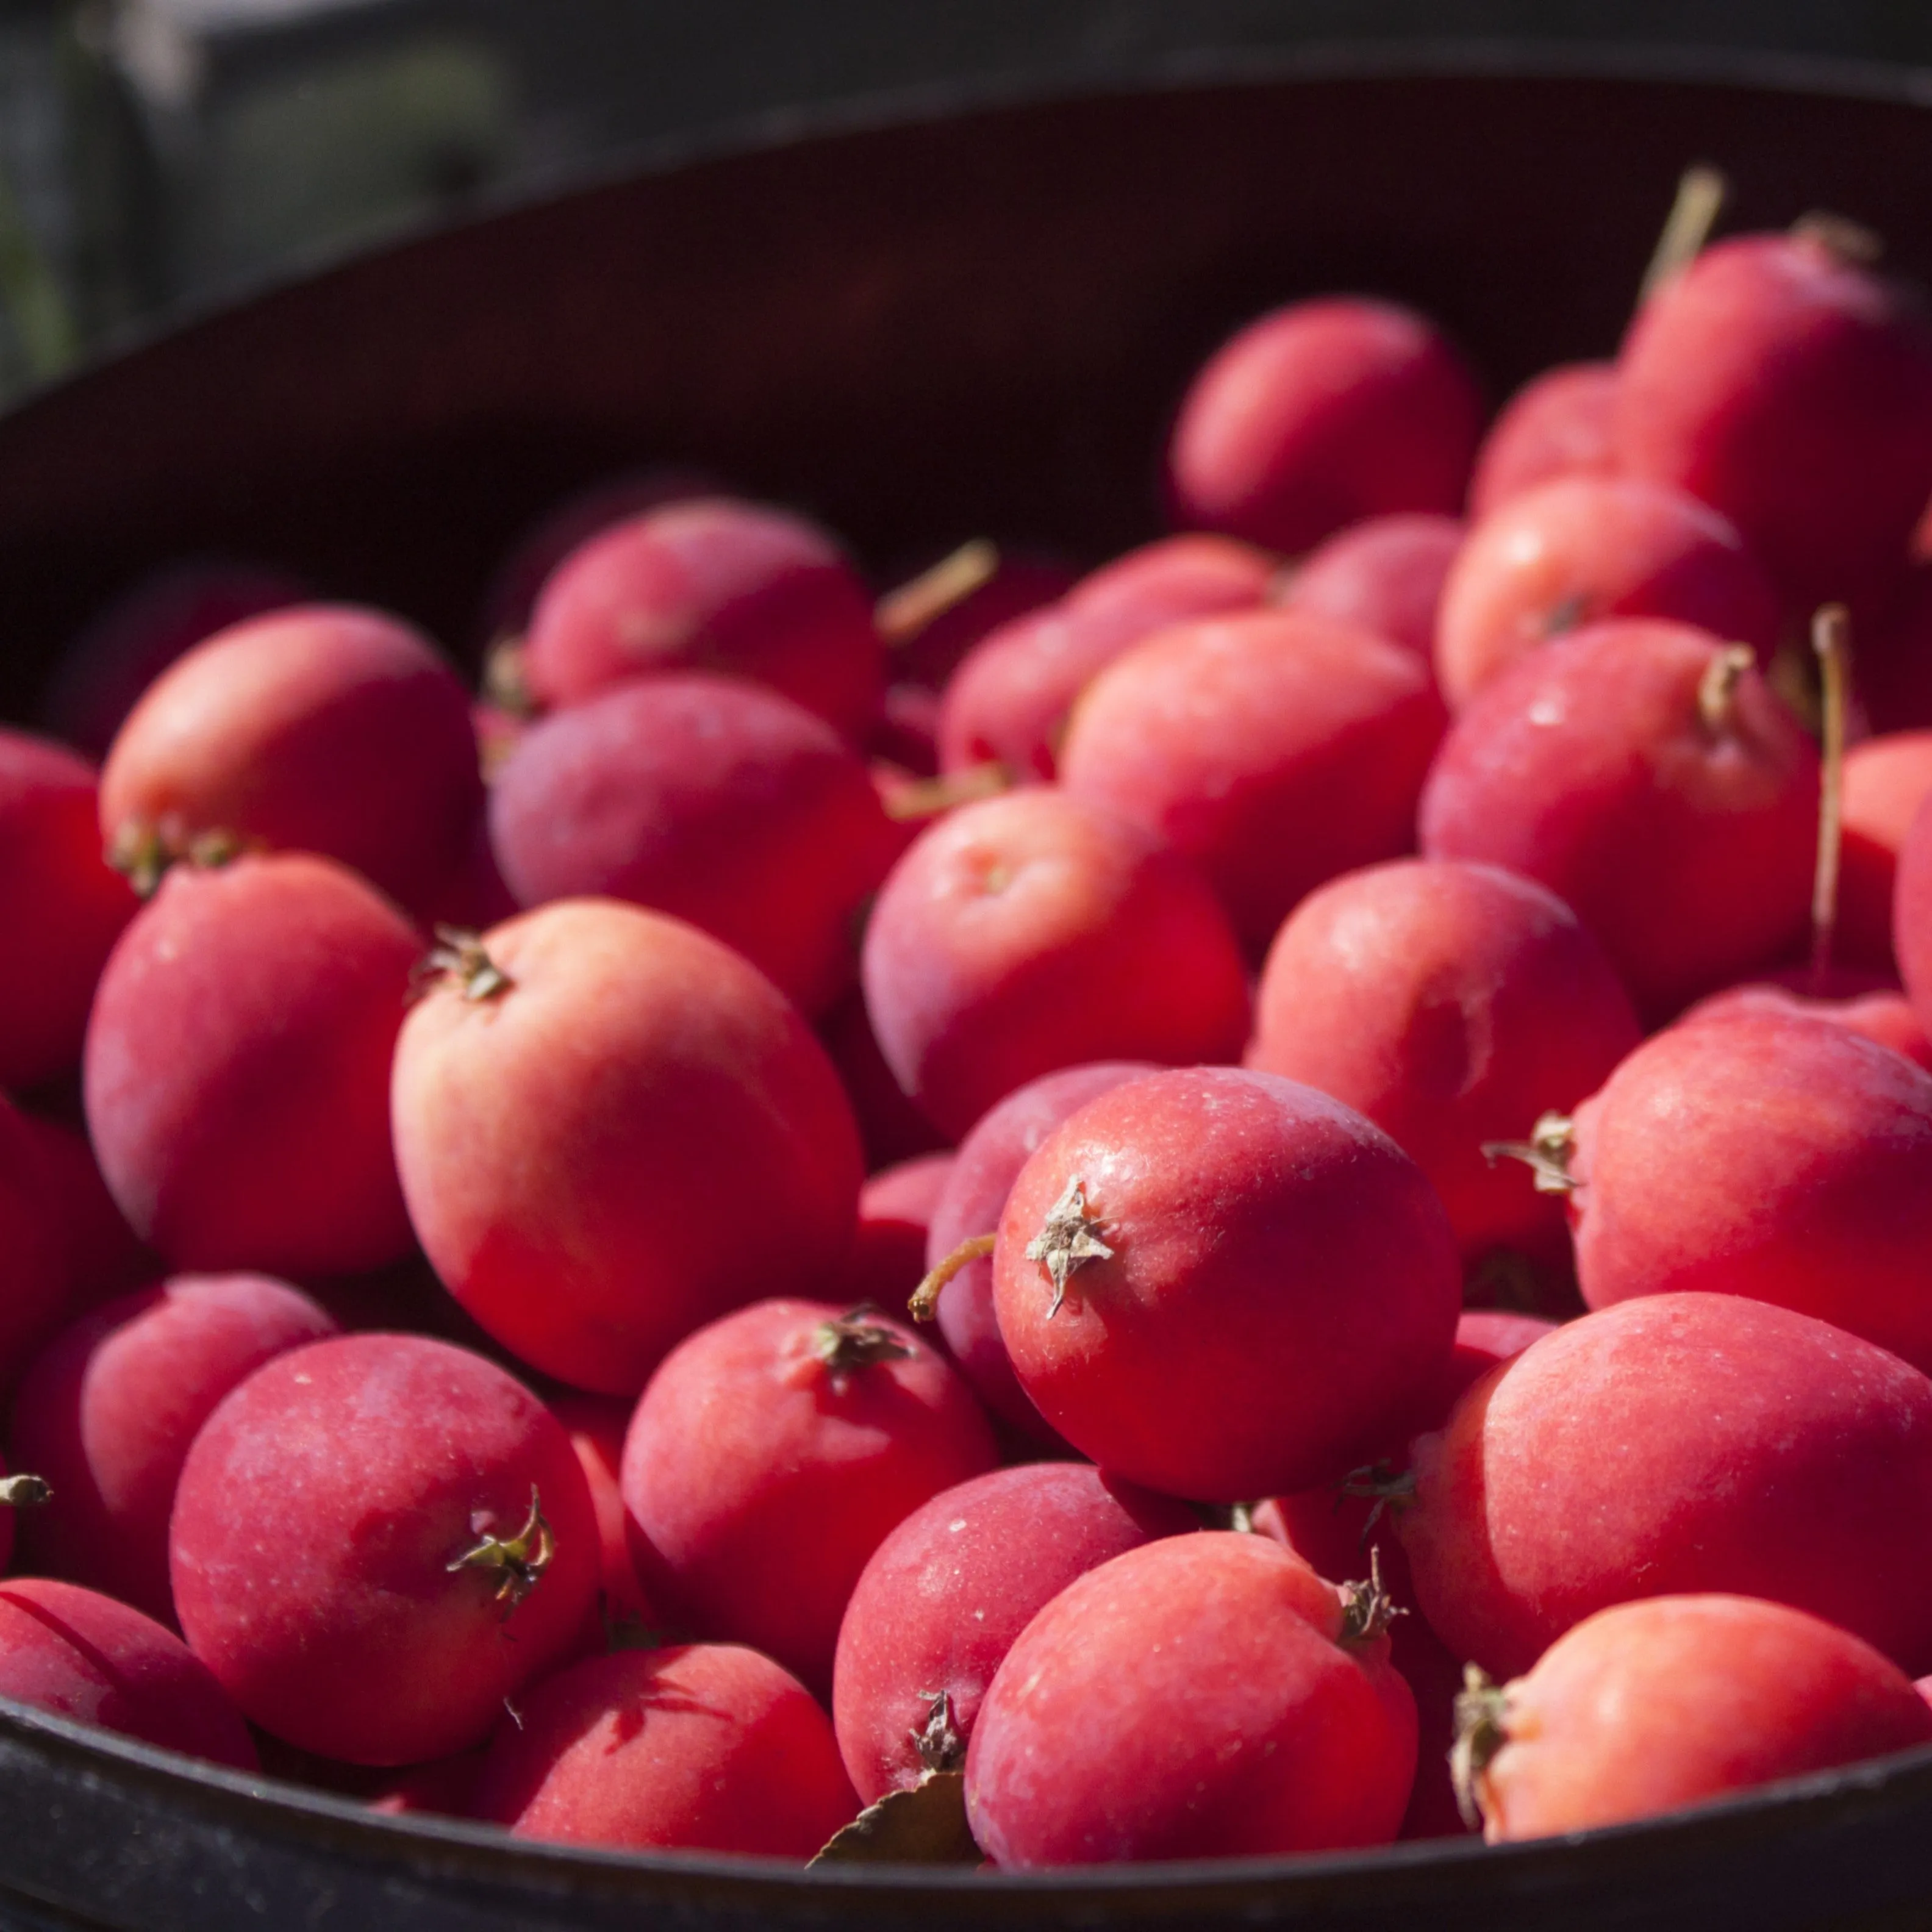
pixel 1557 424
pixel 1384 574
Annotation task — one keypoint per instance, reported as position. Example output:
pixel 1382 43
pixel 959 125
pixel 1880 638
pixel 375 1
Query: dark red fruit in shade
pixel 55 887
pixel 105 1257
pixel 324 728
pixel 1020 582
pixel 35 1242
pixel 1675 1443
pixel 1670 800
pixel 1197 1697
pixel 1647 1707
pixel 634 1133
pixel 237 1068
pixel 1008 702
pixel 892 1128
pixel 107 665
pixel 105 1413
pixel 946 1594
pixel 1880 1013
pixel 319 1535
pixel 1275 750
pixel 82 1655
pixel 521 575
pixel 1584 548
pixel 1452 1004
pixel 1557 424
pixel 895 1207
pixel 446 1787
pixel 708 798
pixel 1774 1156
pixel 1320 414
pixel 1037 930
pixel 701 1748
pixel 596 1425
pixel 711 584
pixel 1892 668
pixel 988 1162
pixel 1281 1285
pixel 770 1456
pixel 1791 389
pixel 1886 780
pixel 1384 575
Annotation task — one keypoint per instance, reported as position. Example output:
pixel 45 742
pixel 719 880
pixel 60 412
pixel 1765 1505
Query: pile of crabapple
pixel 1268 1197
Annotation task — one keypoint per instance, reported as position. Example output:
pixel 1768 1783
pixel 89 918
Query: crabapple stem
pixel 1851 241
pixel 1367 1609
pixel 1480 1735
pixel 1069 1238
pixel 924 1305
pixel 927 798
pixel 24 1492
pixel 903 613
pixel 506 679
pixel 1832 639
pixel 1701 192
pixel 1717 689
pixel 459 953
pixel 1545 1153
pixel 522 1558
pixel 850 1342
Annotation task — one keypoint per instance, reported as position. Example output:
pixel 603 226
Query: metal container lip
pixel 1168 73
pixel 256 1804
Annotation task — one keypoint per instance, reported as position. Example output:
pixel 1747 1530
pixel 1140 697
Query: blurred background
pixel 157 155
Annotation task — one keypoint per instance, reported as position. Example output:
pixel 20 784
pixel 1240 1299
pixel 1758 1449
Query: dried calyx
pixel 1850 241
pixel 1481 1707
pixel 506 680
pixel 1717 689
pixel 520 1561
pixel 458 955
pixel 1547 1153
pixel 850 1341
pixel 1387 1487
pixel 142 853
pixel 938 1741
pixel 1367 1609
pixel 1069 1239
pixel 24 1492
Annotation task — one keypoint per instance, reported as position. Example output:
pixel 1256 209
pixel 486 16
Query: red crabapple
pixel 1384 575
pixel 237 1068
pixel 1223 1285
pixel 1318 415
pixel 611 1128
pixel 378 1538
pixel 1036 930
pixel 770 1456
pixel 1557 424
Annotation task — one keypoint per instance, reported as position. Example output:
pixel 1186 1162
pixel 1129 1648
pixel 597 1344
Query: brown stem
pixel 506 676
pixel 903 613
pixel 938 1741
pixel 1850 241
pixel 1367 1609
pixel 1832 639
pixel 521 1560
pixel 927 798
pixel 1480 1735
pixel 924 1305
pixel 1701 192
pixel 1545 1153
pixel 1717 689
pixel 458 954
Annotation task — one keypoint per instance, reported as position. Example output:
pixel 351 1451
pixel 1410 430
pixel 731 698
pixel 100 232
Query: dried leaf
pixel 925 1825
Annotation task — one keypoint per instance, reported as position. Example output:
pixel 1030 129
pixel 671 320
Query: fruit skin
pixel 1590 767
pixel 1189 1699
pixel 237 1068
pixel 1275 749
pixel 989 1162
pixel 895 1209
pixel 316 1533
pixel 107 1410
pixel 1675 1443
pixel 943 1597
pixel 1791 390
pixel 54 885
pixel 1319 414
pixel 1582 549
pixel 320 727
pixel 702 1746
pixel 1283 1285
pixel 1558 423
pixel 758 1479
pixel 579 1150
pixel 1649 1706
pixel 84 1656
pixel 1880 1012
pixel 710 584
pixel 36 1240
pixel 1886 780
pixel 708 798
pixel 1911 913
pixel 1778 1155
pixel 1383 574
pixel 1036 930
pixel 1452 1004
